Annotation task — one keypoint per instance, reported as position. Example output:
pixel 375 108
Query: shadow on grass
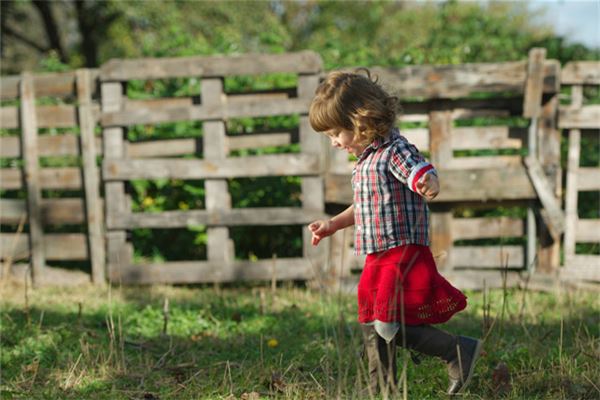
pixel 295 344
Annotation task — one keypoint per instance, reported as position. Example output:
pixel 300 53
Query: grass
pixel 250 342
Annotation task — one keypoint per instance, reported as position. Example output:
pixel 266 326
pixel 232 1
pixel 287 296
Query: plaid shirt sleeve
pixel 407 164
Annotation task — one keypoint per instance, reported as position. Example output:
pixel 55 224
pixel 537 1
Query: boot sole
pixel 476 355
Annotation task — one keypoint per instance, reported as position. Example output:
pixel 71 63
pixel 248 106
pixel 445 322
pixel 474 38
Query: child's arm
pixel 321 228
pixel 410 167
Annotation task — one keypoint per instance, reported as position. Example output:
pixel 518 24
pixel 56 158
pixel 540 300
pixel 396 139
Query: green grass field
pixel 294 343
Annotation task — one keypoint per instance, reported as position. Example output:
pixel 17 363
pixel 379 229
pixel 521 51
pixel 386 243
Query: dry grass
pixel 129 343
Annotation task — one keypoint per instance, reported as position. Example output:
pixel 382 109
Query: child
pixel 400 293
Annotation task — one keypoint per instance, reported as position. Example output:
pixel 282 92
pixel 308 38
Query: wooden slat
pixel 205 112
pixel 218 217
pixel 49 145
pixel 91 177
pixel 50 178
pixel 479 280
pixel 204 271
pixel 480 228
pixel 54 211
pixel 287 164
pixel 258 140
pixel 219 247
pixel 581 73
pixel 117 250
pixel 588 178
pixel 581 267
pixel 534 83
pixel 488 256
pixel 163 148
pixel 472 162
pixel 29 132
pixel 456 185
pixel 450 81
pixel 214 66
pixel 586 117
pixel 552 213
pixel 57 246
pixel 588 230
pixel 571 214
pixel 61 84
pixel 488 137
pixel 57 116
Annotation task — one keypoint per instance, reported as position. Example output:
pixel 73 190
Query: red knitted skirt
pixel 402 284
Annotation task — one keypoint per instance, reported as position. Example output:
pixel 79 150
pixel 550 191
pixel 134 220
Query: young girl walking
pixel 400 292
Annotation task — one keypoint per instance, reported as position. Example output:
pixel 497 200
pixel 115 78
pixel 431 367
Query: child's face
pixel 344 139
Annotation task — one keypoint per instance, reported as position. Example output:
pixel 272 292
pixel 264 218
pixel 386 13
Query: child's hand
pixel 320 229
pixel 428 186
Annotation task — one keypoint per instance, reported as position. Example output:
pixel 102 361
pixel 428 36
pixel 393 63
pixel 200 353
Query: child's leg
pixel 459 352
pixel 381 357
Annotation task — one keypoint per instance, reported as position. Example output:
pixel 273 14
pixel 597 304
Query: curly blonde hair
pixel 353 102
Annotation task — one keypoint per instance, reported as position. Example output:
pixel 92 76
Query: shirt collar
pixel 380 141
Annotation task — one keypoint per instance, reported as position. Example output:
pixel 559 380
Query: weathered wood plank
pixel 451 81
pixel 488 256
pixel 205 271
pixel 49 145
pixel 61 84
pixel 54 276
pixel 210 67
pixel 586 117
pixel 588 230
pixel 57 116
pixel 473 162
pixel 456 185
pixel 57 246
pixel 440 138
pixel 178 147
pixel 588 178
pixel 488 137
pixel 116 200
pixel 479 280
pixel 91 178
pixel 219 248
pixel 258 140
pixel 50 178
pixel 32 177
pixel 205 112
pixel 571 215
pixel 284 164
pixel 581 73
pixel 480 228
pixel 552 213
pixel 534 83
pixel 54 211
pixel 581 267
pixel 218 217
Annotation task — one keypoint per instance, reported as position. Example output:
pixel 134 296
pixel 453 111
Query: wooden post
pixel 219 247
pixel 91 175
pixel 119 255
pixel 29 129
pixel 313 194
pixel 440 130
pixel 531 109
pixel 572 173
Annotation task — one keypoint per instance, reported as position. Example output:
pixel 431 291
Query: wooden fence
pixel 445 104
pixel 62 129
pixel 447 110
pixel 576 118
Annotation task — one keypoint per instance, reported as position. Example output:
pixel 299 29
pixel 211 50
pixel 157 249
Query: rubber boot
pixel 381 357
pixel 459 352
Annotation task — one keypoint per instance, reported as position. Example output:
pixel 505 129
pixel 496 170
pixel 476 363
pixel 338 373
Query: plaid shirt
pixel 387 210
